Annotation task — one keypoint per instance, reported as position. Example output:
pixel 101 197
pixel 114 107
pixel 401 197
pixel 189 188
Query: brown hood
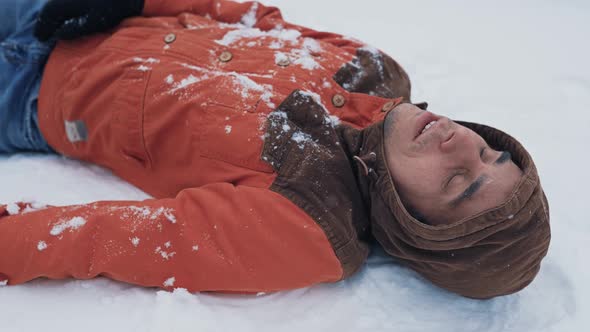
pixel 496 252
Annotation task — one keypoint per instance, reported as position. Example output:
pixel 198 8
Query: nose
pixel 454 138
pixel 460 147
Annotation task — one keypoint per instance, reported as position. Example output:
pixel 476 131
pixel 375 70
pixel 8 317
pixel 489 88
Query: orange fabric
pixel 217 237
pixel 187 128
pixel 229 11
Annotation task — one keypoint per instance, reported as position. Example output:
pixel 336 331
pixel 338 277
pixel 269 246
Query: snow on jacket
pixel 177 102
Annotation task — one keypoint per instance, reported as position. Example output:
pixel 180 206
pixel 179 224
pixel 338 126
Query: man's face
pixel 445 172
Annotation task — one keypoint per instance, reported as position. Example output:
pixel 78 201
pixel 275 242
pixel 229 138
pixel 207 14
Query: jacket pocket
pixel 128 113
pixel 233 137
pixel 231 126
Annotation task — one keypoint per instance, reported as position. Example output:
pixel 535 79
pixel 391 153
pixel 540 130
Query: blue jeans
pixel 22 58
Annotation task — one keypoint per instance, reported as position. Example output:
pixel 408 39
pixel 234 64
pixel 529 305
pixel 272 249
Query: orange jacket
pixel 176 102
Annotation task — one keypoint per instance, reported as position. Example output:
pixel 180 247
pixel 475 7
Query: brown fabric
pixel 374 73
pixel 495 252
pixel 316 174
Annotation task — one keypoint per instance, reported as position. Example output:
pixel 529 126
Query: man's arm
pixel 380 74
pixel 251 13
pixel 218 237
pixel 70 19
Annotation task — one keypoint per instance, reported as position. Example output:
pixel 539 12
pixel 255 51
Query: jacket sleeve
pixel 250 13
pixel 218 237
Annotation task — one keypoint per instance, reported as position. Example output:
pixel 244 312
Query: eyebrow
pixel 468 192
pixel 504 157
pixel 476 185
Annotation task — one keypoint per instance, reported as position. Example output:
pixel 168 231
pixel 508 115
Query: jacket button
pixel 284 62
pixel 388 106
pixel 170 38
pixel 225 56
pixel 338 100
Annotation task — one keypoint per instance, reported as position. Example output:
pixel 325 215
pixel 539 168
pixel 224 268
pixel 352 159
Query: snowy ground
pixel 520 66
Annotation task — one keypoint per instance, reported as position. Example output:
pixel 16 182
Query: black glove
pixel 69 19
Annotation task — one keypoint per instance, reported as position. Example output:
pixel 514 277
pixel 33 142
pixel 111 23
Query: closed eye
pixel 450 179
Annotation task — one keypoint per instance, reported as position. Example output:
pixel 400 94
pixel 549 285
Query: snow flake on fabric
pixel 190 80
pixel 243 32
pixel 276 44
pixel 13 208
pixel 311 45
pixel 144 62
pixel 228 129
pixel 141 217
pixel 33 206
pixel 195 248
pixel 169 216
pixel 72 224
pixel 170 79
pixel 304 56
pixel 316 97
pixel 376 56
pixel 41 245
pixel 163 253
pixel 246 84
pixel 135 241
pixel 301 56
pixel 266 95
pixel 149 213
pixel 242 83
pixel 301 138
pixel 280 57
pixel 169 282
pixel 331 120
pixel 279 126
pixel 249 19
pixel 278 119
pixel 306 61
pixel 148 60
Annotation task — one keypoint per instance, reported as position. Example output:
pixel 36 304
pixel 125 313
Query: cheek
pixel 422 178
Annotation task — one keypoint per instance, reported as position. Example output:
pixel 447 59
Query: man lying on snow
pixel 275 154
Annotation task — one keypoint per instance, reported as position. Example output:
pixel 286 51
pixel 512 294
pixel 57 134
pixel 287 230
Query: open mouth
pixel 425 123
pixel 428 126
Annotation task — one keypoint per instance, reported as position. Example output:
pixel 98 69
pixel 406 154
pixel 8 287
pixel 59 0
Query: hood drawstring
pixel 367 162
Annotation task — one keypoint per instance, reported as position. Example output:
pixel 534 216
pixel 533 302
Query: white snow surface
pixel 519 66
